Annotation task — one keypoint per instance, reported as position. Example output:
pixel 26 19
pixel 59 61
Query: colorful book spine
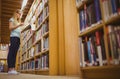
pixel 97 10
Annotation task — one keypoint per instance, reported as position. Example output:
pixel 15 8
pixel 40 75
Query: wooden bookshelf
pixel 30 40
pixel 108 70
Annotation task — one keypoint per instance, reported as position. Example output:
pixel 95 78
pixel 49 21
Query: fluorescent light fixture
pixel 24 4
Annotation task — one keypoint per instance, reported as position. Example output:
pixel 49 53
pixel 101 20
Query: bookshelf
pixel 98 36
pixel 38 50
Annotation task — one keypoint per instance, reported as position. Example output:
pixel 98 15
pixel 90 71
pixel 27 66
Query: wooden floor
pixel 31 76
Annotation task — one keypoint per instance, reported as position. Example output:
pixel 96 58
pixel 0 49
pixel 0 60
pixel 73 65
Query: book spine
pixel 85 16
pixel 97 10
pixel 80 19
pixel 89 53
pixel 99 49
pixel 114 8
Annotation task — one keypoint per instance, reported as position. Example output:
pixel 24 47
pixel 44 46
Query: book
pixel 113 41
pixel 97 10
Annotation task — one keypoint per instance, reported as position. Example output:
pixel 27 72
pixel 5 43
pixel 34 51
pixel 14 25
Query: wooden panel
pixel 112 72
pixel 61 38
pixel 53 38
pixel 72 65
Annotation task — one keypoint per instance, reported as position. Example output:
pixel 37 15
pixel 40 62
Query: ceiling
pixel 6 12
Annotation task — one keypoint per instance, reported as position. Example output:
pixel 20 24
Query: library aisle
pixel 60 39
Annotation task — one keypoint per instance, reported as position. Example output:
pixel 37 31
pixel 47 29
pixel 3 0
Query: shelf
pixel 29 37
pixel 46 34
pixel 81 4
pixel 40 53
pixel 46 18
pixel 30 58
pixel 44 69
pixel 113 19
pixel 30 47
pixel 38 70
pixel 36 42
pixel 101 67
pixel 24 52
pixel 91 29
pixel 27 26
pixel 39 13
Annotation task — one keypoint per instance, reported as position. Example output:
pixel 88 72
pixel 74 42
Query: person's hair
pixel 15 16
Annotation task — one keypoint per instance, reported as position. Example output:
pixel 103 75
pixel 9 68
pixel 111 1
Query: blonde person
pixel 14 26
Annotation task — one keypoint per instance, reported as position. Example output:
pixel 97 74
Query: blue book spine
pixel 85 15
pixel 83 20
pixel 80 20
pixel 97 10
pixel 114 6
pixel 89 51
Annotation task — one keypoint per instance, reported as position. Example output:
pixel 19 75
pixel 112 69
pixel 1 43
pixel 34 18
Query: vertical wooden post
pixel 61 38
pixel 53 38
pixel 72 59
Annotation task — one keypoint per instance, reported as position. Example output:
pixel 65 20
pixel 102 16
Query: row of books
pixel 110 8
pixel 45 28
pixel 43 15
pixel 45 11
pixel 90 15
pixel 24 57
pixel 42 62
pixel 38 47
pixel 114 43
pixel 45 43
pixel 31 52
pixel 30 42
pixel 28 65
pixel 92 50
pixel 24 48
pixel 25 35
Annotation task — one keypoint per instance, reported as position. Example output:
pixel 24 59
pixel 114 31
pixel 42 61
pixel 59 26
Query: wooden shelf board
pixel 30 47
pixel 113 19
pixel 26 28
pixel 40 53
pixel 81 5
pixel 42 70
pixel 24 52
pixel 36 42
pixel 91 29
pixel 100 67
pixel 45 51
pixel 29 37
pixel 46 34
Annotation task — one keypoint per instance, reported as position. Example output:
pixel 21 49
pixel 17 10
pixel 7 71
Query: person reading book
pixel 15 29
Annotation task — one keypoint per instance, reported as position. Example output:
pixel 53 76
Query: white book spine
pixel 99 50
